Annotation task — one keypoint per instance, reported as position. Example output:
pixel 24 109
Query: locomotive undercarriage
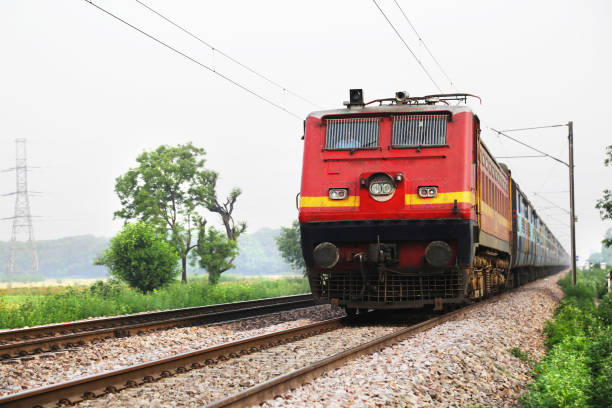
pixel 375 281
pixel 387 289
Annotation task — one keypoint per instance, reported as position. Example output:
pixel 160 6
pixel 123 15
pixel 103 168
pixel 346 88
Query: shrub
pixel 602 385
pixel 574 317
pixel 563 377
pixel 108 288
pixel 604 310
pixel 140 256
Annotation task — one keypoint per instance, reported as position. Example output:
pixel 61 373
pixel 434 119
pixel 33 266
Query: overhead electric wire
pixel 239 85
pixel 532 128
pixel 212 47
pixel 550 202
pixel 530 147
pixel 519 157
pixel 425 45
pixel 406 45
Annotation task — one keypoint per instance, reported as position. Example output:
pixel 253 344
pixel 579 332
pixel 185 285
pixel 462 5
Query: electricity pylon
pixel 22 220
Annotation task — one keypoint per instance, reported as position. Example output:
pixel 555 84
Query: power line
pixel 532 128
pixel 406 45
pixel 550 202
pixel 425 45
pixel 519 157
pixel 530 147
pixel 212 47
pixel 194 60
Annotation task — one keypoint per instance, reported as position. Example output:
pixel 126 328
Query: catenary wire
pixel 239 85
pixel 532 128
pixel 530 147
pixel 212 47
pixel 425 45
pixel 406 45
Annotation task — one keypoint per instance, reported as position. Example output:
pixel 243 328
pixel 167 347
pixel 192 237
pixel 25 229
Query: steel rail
pixel 113 381
pixel 281 384
pixel 22 342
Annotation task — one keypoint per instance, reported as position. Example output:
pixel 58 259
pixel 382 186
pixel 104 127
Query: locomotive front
pixel 387 202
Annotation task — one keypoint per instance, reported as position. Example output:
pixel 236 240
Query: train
pixel 402 206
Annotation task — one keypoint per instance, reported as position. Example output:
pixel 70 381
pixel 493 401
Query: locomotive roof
pixel 396 108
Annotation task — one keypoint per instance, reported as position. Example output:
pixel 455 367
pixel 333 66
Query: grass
pixel 107 298
pixel 577 371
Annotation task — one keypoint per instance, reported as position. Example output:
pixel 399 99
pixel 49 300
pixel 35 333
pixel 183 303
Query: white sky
pixel 90 94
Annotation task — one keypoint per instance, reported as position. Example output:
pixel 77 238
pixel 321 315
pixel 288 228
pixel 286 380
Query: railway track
pixel 114 381
pixel 98 385
pixel 49 338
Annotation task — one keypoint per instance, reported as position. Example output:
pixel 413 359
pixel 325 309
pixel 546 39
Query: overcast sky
pixel 90 93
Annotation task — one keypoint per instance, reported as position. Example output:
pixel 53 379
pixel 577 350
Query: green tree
pixel 168 188
pixel 140 256
pixel 604 205
pixel 288 243
pixel 216 252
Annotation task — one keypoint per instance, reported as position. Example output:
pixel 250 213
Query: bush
pixel 602 385
pixel 573 317
pixel 577 372
pixel 563 378
pixel 605 310
pixel 108 288
pixel 140 256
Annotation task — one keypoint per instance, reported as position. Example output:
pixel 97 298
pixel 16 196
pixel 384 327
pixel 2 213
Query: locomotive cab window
pixel 419 130
pixel 348 134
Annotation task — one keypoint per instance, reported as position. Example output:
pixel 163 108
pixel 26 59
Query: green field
pixel 20 307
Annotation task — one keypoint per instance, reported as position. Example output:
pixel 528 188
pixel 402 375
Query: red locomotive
pixel 403 206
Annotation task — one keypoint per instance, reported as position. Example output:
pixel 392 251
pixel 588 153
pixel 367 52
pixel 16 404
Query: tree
pixel 167 189
pixel 217 253
pixel 288 243
pixel 604 205
pixel 141 256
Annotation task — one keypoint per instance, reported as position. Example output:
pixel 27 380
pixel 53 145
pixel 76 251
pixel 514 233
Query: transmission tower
pixel 22 220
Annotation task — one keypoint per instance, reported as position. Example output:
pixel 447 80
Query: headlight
pixel 381 187
pixel 338 193
pixel 428 191
pixel 376 188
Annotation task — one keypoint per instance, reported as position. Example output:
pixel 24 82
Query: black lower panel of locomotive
pixel 464 232
pixel 347 288
pixel 389 288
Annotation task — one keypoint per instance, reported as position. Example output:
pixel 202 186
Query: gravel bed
pixel 464 363
pixel 110 354
pixel 202 386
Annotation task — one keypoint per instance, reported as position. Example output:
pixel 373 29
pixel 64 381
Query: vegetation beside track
pixel 108 298
pixel 577 371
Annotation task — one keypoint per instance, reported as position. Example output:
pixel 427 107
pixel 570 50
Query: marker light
pixel 428 191
pixel 338 193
